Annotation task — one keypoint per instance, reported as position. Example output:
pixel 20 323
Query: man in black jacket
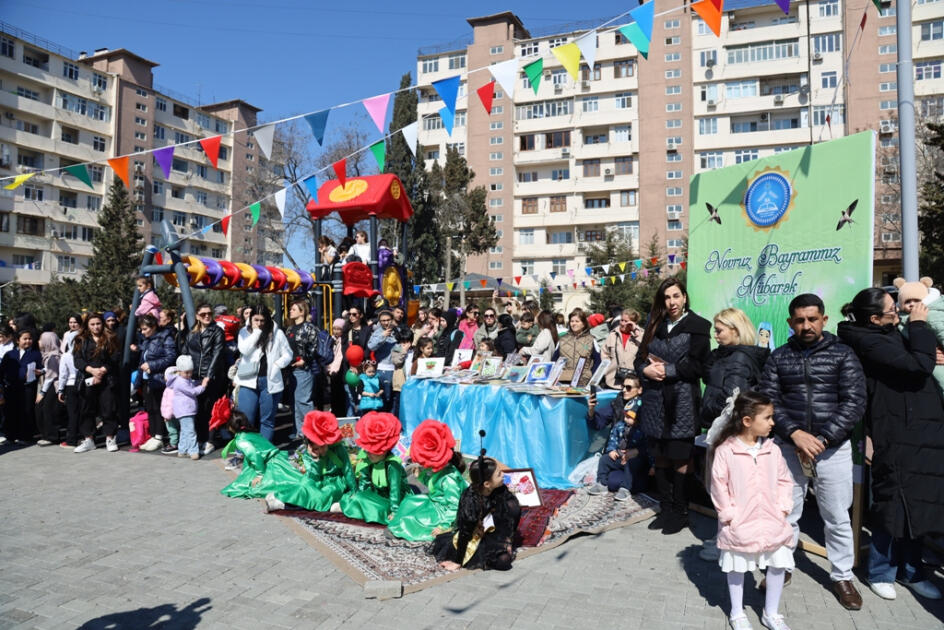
pixel 818 389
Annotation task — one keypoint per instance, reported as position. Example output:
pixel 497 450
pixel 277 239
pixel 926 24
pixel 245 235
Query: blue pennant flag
pixel 448 119
pixel 448 90
pixel 318 122
pixel 311 183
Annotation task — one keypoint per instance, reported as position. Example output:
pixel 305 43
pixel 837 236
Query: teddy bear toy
pixel 909 294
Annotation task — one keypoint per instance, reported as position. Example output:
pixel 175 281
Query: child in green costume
pixel 380 478
pixel 422 516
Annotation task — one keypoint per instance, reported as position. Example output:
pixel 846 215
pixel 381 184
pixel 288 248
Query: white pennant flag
pixel 606 269
pixel 587 43
pixel 506 73
pixel 263 136
pixel 280 201
pixel 409 135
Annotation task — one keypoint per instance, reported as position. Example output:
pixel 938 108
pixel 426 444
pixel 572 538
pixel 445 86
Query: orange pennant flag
pixel 120 166
pixel 225 223
pixel 211 146
pixel 710 12
pixel 654 260
pixel 483 282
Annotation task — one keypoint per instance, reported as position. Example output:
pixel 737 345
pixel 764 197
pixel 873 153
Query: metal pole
pixel 906 146
pixel 448 278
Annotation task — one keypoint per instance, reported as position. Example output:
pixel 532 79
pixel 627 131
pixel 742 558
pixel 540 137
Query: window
pixel 675 207
pixel 673 191
pixel 496 186
pixel 932 30
pixel 526 142
pixel 741 89
pixel 431 123
pixel 527 267
pixel 623 165
pixel 529 205
pixel 585 72
pixel 70 135
pixel 886 105
pixel 177 192
pixel 98 143
pixel 673 141
pixel 835 113
pixel 97 172
pixel 673 107
pixel 180 218
pixel 557 139
pixel 559 265
pixel 707 58
pixel 28 127
pixel 32 160
pixel 675 243
pixel 559 174
pixel 675 73
pixel 546 109
pixel 591 235
pixel 891 237
pixel 68 199
pixel 529 49
pixel 829 42
pixel 65 264
pixel 497 109
pixel 591 203
pixel 72 103
pixel 222 126
pixel 624 100
pixel 526 236
pixel 140 135
pixel 560 237
pixel 707 126
pixel 622 133
pixel 558 203
pixel 493 140
pixel 87 234
pixel 496 203
pixel 594 138
pixel 183 138
pixel 590 104
pixel 671 90
pixel 673 41
pixel 591 168
pixel 554 42
pixel 496 50
pixel 745 155
pixel 886 67
pixel 525 177
pixel 204 121
pixel 179 165
pixel 70 71
pixel 160 104
pixel 141 107
pixel 889 86
pixel 673 123
pixel 32 226
pixel 925 70
pixel 764 51
pixel 140 121
pixel 201 197
pixel 459 119
pixel 623 68
pixel 558 77
pixel 627 198
pixel 828 8
pixel 888 49
pixel 180 111
pixel 744 126
pixel 673 174
pixel 458 147
pixel 829 79
pixel 496 171
pixel 157 187
pixel 496 124
pixel 711 159
pixel 497 218
pixel 887 30
pixel 673 225
pixel 160 132
pixel 673 157
pixel 7 47
pixel 670 24
pixel 30 94
pixel 888 10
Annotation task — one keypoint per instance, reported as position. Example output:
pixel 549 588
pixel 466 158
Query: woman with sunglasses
pixel 489 327
pixel 356 333
pixel 204 343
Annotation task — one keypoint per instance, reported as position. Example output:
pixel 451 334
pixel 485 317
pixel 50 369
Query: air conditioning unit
pixel 671 146
pixel 558 89
pixel 565 152
pixel 139 168
pixel 674 216
pixel 886 126
pixel 778 99
pixel 712 102
pixel 547 74
pixel 584 85
pixel 817 56
pixel 607 172
pixel 54 233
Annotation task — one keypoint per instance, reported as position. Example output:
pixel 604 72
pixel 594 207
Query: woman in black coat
pixel 905 419
pixel 671 362
pixel 505 342
pixel 206 344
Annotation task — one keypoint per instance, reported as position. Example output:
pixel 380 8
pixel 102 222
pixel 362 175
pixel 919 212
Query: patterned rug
pixel 368 555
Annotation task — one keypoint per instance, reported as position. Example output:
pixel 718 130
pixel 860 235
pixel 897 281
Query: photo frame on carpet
pixel 522 483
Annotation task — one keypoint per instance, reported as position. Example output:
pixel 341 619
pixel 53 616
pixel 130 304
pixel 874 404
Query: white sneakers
pixel 273 504
pixel 740 623
pixel 774 622
pixel 86 445
pixel 152 444
pixel 885 590
pixel 208 448
pixel 111 444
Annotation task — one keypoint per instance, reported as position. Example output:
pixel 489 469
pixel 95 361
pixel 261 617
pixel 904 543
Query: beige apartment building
pixel 59 108
pixel 614 150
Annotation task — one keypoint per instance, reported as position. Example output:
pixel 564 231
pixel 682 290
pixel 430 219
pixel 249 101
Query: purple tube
pixel 265 278
pixel 214 272
pixel 307 282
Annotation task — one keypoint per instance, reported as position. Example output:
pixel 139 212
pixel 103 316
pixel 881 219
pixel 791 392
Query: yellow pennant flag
pixel 569 56
pixel 622 266
pixel 449 285
pixel 613 279
pixel 18 181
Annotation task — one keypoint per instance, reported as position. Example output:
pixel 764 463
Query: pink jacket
pixel 468 329
pixel 150 303
pixel 751 498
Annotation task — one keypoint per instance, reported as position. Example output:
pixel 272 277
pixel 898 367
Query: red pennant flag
pixel 865 15
pixel 575 285
pixel 710 12
pixel 340 169
pixel 483 282
pixel 829 118
pixel 683 264
pixel 486 94
pixel 120 166
pixel 158 259
pixel 211 146
pixel 225 222
pixel 654 259
pixel 517 279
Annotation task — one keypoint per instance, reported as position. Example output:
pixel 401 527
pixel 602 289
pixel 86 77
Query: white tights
pixel 774 591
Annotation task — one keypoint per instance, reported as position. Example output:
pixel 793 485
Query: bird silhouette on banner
pixel 847 215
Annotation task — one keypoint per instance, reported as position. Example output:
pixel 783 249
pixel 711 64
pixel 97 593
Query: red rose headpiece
pixel 321 427
pixel 222 411
pixel 377 432
pixel 432 444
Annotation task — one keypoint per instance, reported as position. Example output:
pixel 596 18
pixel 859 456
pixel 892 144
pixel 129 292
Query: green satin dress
pixel 420 514
pixel 379 489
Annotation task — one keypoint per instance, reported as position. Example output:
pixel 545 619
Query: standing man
pixel 303 337
pixel 818 389
pixel 381 342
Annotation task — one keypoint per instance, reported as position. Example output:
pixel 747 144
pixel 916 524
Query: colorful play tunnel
pixel 207 273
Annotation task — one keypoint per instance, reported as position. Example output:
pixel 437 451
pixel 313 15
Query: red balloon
pixel 354 355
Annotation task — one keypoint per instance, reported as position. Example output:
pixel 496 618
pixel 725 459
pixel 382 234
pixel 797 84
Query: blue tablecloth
pixel 549 435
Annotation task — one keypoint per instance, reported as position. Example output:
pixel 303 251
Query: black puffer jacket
pixel 820 389
pixel 730 367
pixel 905 417
pixel 670 407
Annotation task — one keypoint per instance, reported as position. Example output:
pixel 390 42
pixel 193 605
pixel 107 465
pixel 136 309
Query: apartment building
pixel 59 108
pixel 614 150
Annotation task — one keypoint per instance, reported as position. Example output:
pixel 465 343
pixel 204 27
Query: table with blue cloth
pixel 544 433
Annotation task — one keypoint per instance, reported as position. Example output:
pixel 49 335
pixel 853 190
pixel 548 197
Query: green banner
pixel 764 231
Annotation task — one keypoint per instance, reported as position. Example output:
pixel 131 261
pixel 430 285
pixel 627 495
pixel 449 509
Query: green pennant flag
pixel 80 172
pixel 255 209
pixel 533 71
pixel 379 150
pixel 878 5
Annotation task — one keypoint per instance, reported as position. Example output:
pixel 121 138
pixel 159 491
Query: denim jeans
pixel 386 386
pixel 303 392
pixel 260 407
pixel 188 437
pixel 894 558
pixel 834 497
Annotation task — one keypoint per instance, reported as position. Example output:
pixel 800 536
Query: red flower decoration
pixel 432 444
pixel 377 432
pixel 222 411
pixel 347 431
pixel 321 427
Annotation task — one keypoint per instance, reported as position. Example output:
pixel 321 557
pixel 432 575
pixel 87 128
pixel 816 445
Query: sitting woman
pixel 380 481
pixel 422 516
pixel 486 523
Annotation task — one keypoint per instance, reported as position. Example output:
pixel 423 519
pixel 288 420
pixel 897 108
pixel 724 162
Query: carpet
pixel 368 555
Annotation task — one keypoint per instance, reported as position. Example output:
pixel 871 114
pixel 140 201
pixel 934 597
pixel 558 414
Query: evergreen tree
pixel 931 217
pixel 116 253
pixel 546 297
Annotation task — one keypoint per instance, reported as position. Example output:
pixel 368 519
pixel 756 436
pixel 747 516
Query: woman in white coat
pixel 264 351
pixel 546 341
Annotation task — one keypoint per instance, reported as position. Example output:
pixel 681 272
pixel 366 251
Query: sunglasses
pixel 490 315
pixel 629 386
pixel 206 314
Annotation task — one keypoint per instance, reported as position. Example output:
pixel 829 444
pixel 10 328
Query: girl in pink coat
pixel 752 490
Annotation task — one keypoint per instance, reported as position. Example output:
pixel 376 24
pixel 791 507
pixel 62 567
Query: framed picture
pixel 516 373
pixel 461 355
pixel 539 372
pixel 599 373
pixel 581 362
pixel 346 425
pixel 522 484
pixel 491 367
pixel 556 370
pixel 431 367
pixel 532 361
pixel 512 359
pixel 477 362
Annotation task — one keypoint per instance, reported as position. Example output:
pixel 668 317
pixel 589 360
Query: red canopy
pixel 362 197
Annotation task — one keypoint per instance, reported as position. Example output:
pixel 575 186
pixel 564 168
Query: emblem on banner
pixel 768 198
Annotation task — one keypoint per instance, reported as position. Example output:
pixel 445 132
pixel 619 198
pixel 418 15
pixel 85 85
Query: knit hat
pixel 109 315
pixel 338 323
pixel 184 363
pixel 921 290
pixel 595 320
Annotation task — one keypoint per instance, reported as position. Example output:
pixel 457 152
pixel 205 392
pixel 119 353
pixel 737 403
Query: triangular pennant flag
pixel 409 136
pixel 575 285
pixel 553 275
pixel 785 5
pixel 865 15
pixel 255 209
pixel 643 16
pixel 448 119
pixel 588 47
pixel 211 146
pixel 448 90
pixel 467 284
pixel 379 150
pixel 878 4
pixel 589 271
pixel 120 166
pixel 606 268
pixel 525 292
pixel 533 71
pixel 671 259
pixel 645 273
pixel 18 180
pixel 416 288
pixel 602 281
pixel 655 270
pixel 710 13
pixel 449 285
pixel 517 279
pixel 498 281
pixel 654 260
pixel 264 136
pixel 569 56
pixel 622 277
pixel 683 264
pixel 558 287
pixel 312 185
pixel 376 107
pixel 506 73
pixel 570 272
pixel 483 282
pixel 540 290
pixel 632 275
pixel 634 33
pixel 225 223
pixel 622 266
pixel 280 201
pixel 534 277
pixel 613 279
pixel 340 169
pixel 638 263
pixel 80 172
pixel 318 121
pixel 486 94
pixel 164 158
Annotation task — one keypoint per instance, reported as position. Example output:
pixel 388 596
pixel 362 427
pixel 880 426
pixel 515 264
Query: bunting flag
pixel 483 282
pixel 606 268
pixel 633 33
pixel 340 169
pixel 710 12
pixel 409 136
pixel 569 56
pixel 602 281
pixel 632 275
pixel 449 285
pixel 622 266
pixel 448 119
pixel 498 281
pixel 211 146
pixel 671 259
pixel 533 71
pixel 280 201
pixel 379 151
pixel 311 183
pixel 80 172
pixel 570 272
pixel 486 94
pixel 865 15
pixel 589 271
pixel 639 31
pixel 638 263
pixel 448 90
pixel 255 209
pixel 224 222
pixel 588 47
pixel 785 5
pixel 878 5
pixel 264 136
pixel 120 166
pixel 534 277
pixel 416 288
pixel 376 107
pixel 18 181
pixel 517 279
pixel 553 275
pixel 654 260
pixel 467 284
pixel 318 121
pixel 164 158
pixel 506 73
pixel 575 285
pixel 683 264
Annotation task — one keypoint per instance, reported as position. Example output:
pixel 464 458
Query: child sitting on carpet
pixel 752 490
pixel 371 393
pixel 422 516
pixel 624 465
pixel 380 481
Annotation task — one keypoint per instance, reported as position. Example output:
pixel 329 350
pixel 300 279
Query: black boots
pixel 677 520
pixel 664 490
